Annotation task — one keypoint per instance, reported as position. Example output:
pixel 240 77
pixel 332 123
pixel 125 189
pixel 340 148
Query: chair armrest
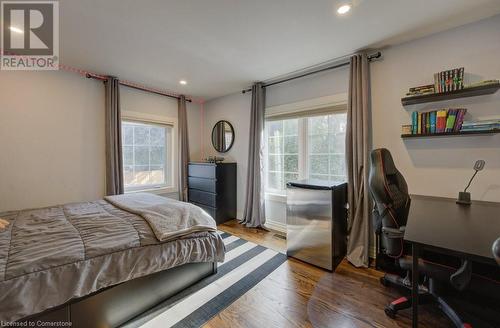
pixel 393 232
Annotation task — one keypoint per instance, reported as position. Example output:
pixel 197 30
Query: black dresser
pixel 213 188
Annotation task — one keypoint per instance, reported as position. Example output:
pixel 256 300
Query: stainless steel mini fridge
pixel 317 222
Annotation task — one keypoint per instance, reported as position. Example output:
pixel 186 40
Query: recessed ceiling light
pixel 183 82
pixel 15 29
pixel 343 9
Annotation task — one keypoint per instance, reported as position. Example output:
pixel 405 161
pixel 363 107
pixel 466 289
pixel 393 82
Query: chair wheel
pixel 390 312
pixel 384 281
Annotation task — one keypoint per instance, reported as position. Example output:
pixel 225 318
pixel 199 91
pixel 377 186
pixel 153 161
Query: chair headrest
pixel 382 157
pixel 386 183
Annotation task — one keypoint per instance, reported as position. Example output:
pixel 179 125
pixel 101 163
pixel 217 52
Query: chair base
pixel 426 296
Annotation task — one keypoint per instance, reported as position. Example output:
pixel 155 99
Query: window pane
pixel 141 174
pixel 128 175
pixel 274 181
pixel 141 154
pixel 141 135
pixel 157 135
pixel 157 155
pixel 318 125
pixel 318 144
pixel 128 155
pixel 157 174
pixel 144 155
pixel 282 147
pixel 275 128
pixel 337 165
pixel 274 145
pixel 291 145
pixel 127 135
pixel 291 127
pixel 326 146
pixel 291 163
pixel 275 163
pixel 318 164
pixel 338 143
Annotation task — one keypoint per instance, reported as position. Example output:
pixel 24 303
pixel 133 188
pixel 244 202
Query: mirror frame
pixel 232 141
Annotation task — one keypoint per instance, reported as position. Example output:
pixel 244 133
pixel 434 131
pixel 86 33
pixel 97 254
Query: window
pixel 305 147
pixel 145 155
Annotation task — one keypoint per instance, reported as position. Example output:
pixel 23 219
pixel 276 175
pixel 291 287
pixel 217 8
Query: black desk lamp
pixel 464 196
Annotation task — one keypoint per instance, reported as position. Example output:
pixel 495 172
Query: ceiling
pixel 222 46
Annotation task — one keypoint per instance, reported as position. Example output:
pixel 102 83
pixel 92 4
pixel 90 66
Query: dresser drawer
pixel 210 210
pixel 202 171
pixel 202 184
pixel 203 197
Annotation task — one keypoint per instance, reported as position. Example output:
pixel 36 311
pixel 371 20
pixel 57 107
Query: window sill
pixel 274 197
pixel 157 191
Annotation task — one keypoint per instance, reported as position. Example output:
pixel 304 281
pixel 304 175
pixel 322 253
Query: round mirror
pixel 222 136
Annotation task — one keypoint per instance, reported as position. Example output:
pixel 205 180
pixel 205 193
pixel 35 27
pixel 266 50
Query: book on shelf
pixel 432 122
pixel 481 125
pixel 421 90
pixel 482 83
pixel 440 121
pixel 450 120
pixel 449 80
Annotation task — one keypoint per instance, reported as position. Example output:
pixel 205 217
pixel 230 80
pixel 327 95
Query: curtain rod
pixel 135 86
pixel 371 57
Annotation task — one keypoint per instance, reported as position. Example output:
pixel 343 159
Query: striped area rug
pixel 245 265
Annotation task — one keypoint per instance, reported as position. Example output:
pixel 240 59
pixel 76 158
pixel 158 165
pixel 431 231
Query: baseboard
pixel 275 225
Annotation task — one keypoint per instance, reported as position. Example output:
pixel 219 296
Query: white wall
pixel 440 166
pixel 235 109
pixel 51 139
pixel 52 136
pixel 437 167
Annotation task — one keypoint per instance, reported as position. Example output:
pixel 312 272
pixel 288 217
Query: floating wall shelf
pixel 450 134
pixel 464 93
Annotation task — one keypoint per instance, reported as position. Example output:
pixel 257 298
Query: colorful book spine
pixel 414 122
pixel 459 120
pixel 450 121
pixel 436 82
pixel 461 78
pixel 428 123
pixel 443 82
pixel 419 123
pixel 433 122
pixel 441 120
pixel 455 79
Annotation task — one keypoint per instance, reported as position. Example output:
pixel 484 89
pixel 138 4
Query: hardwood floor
pixel 300 295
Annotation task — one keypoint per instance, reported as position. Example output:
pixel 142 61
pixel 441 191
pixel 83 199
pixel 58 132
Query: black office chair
pixel 391 207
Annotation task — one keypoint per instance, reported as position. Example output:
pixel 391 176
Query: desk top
pixel 440 222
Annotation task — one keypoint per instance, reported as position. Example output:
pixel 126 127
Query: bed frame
pixel 114 306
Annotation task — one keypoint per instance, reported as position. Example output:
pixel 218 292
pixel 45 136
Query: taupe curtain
pixel 183 149
pixel 113 131
pixel 357 148
pixel 254 214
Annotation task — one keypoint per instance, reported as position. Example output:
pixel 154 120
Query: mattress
pixel 52 255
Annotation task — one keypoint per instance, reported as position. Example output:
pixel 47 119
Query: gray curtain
pixel 254 214
pixel 113 131
pixel 183 149
pixel 357 148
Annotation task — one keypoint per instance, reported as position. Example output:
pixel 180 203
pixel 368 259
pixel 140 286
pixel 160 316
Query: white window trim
pixel 172 148
pixel 338 103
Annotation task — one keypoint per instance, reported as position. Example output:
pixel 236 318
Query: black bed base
pixel 116 305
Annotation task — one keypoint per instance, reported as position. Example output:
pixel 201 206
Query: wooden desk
pixel 440 225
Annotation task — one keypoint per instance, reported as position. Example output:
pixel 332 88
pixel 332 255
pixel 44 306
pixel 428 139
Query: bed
pixel 104 262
